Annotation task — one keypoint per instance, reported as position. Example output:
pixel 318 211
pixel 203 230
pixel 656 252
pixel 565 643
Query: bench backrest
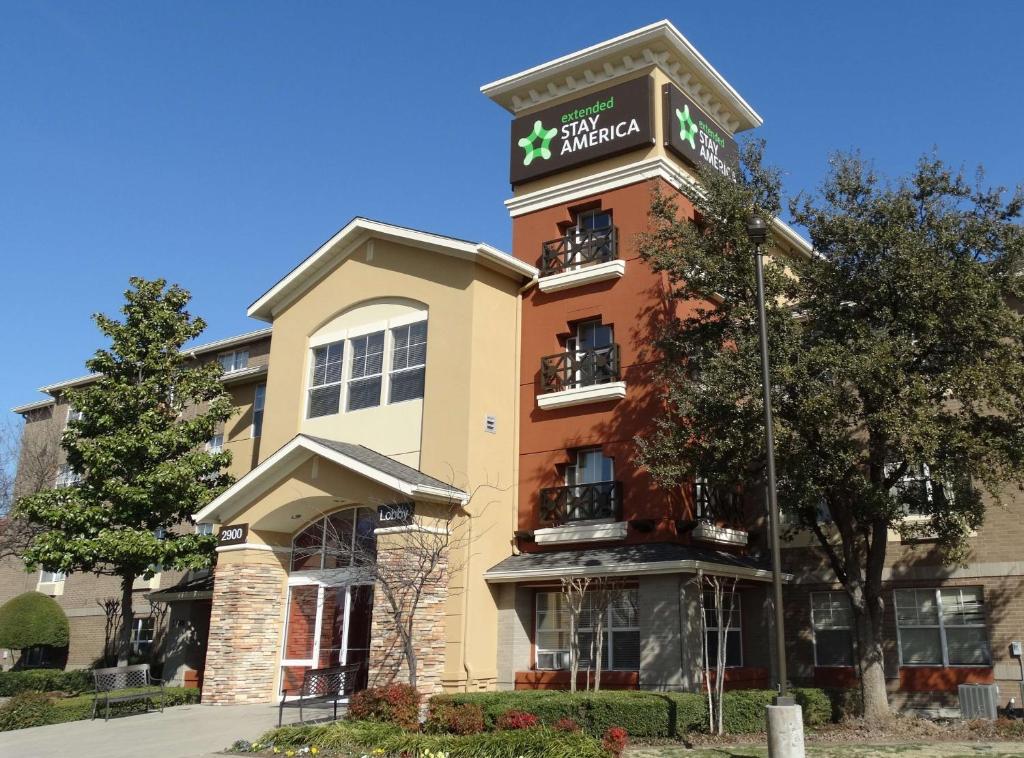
pixel 121 677
pixel 337 680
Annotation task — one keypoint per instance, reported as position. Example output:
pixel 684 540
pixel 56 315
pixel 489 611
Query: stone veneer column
pixel 245 629
pixel 387 663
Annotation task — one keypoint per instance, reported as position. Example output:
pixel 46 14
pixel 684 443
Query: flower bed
pixel 38 709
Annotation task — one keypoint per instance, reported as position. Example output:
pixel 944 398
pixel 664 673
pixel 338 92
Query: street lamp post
pixel 757 233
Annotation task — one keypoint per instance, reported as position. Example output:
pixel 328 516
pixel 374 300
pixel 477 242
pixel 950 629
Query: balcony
pixel 582 257
pixel 577 377
pixel 719 511
pixel 581 513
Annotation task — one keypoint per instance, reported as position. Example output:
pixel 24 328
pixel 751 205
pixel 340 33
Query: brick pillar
pixel 245 631
pixel 387 662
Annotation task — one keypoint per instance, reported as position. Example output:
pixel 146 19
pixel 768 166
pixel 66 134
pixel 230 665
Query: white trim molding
pixel 719 534
pixel 594 393
pixel 570 533
pixel 578 277
pixel 633 569
pixel 421 528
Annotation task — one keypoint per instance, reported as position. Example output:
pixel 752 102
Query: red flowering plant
pixel 615 740
pixel 394 704
pixel 517 720
pixel 566 724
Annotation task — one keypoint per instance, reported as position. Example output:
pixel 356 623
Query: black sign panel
pixel 395 514
pixel 235 534
pixel 692 135
pixel 583 130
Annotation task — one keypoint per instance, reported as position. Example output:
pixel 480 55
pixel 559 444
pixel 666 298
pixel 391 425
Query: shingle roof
pixel 383 463
pixel 659 557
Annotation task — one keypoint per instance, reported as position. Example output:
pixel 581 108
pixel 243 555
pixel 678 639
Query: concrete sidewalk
pixel 186 731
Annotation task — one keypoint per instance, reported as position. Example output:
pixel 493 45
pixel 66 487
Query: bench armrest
pixel 154 680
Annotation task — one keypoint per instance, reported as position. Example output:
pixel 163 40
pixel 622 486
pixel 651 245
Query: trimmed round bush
pixel 32 619
pixel 448 718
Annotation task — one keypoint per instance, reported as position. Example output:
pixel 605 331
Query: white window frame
pixel 341 383
pixel 234 356
pixel 737 607
pixel 73 415
pixel 66 476
pixel 381 374
pixel 609 632
pixel 259 405
pixel 216 443
pixel 814 631
pixel 389 345
pixel 204 528
pixel 50 582
pixel 941 626
pixel 138 623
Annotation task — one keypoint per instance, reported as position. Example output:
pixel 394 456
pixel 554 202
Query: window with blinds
pixel 325 384
pixel 366 371
pixel 621 645
pixel 832 621
pixel 259 400
pixel 731 626
pixel 942 627
pixel 408 362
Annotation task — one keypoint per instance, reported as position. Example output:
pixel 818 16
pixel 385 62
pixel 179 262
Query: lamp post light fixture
pixel 757 233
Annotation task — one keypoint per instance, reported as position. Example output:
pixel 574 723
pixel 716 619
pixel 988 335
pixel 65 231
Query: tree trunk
pixel 124 646
pixel 871 660
pixel 410 655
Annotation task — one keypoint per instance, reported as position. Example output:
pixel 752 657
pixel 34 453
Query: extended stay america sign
pixel 692 135
pixel 583 130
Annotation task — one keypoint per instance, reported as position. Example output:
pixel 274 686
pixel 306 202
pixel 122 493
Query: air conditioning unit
pixel 978 701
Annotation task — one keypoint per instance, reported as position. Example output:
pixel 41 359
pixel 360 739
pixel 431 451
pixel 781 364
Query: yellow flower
pixel 314 750
pixel 290 753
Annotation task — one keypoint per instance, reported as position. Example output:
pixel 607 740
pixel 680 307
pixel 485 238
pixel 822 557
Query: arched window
pixel 341 540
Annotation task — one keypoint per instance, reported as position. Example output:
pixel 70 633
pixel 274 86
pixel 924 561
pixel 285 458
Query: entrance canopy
pixel 627 560
pixel 371 477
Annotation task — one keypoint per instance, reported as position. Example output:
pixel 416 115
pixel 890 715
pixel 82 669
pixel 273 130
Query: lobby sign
pixel 586 129
pixel 234 534
pixel 695 137
pixel 395 514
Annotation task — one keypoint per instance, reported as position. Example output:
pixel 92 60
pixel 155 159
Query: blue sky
pixel 217 144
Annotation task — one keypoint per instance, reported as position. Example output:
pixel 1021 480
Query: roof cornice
pixel 360 230
pixel 659 44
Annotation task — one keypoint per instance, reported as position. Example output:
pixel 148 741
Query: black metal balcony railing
pixel 718 505
pixel 579 369
pixel 580 502
pixel 582 247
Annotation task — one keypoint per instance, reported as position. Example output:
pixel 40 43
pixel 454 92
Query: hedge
pixel 644 715
pixel 44 680
pixel 390 740
pixel 35 709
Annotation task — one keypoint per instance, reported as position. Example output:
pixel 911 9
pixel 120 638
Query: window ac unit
pixel 978 701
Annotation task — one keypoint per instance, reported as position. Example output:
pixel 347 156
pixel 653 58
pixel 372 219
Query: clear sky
pixel 216 144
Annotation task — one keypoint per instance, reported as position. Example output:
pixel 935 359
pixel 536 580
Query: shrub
pixel 847 703
pixel 615 739
pixel 391 704
pixel 26 709
pixel 449 718
pixel 32 619
pixel 517 720
pixel 743 711
pixel 567 725
pixel 44 680
pixel 816 705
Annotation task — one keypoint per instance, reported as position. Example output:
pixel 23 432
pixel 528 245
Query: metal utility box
pixel 978 701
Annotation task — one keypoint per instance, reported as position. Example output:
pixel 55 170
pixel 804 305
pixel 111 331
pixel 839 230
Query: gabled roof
pixel 358 231
pixel 356 458
pixel 626 560
pixel 659 44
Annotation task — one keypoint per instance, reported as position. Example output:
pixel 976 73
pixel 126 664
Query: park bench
pixel 123 684
pixel 327 685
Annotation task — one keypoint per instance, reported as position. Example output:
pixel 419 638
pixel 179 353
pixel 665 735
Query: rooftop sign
pixel 587 129
pixel 692 135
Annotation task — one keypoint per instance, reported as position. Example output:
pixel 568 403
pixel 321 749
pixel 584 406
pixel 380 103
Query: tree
pixel 574 591
pixel 138 450
pixel 32 619
pixel 897 361
pixel 722 591
pixel 28 464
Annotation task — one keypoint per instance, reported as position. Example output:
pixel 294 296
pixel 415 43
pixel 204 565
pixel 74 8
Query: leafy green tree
pixel 32 619
pixel 139 452
pixel 895 347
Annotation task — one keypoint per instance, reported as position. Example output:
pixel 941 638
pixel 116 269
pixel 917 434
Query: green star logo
pixel 687 129
pixel 544 149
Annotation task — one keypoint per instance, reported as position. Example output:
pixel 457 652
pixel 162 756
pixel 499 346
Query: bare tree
pixel 605 592
pixel 722 592
pixel 28 464
pixel 574 589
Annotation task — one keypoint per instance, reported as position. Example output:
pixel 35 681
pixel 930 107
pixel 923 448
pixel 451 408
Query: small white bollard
pixel 785 731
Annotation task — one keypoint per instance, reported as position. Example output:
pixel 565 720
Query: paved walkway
pixel 186 731
pixel 933 750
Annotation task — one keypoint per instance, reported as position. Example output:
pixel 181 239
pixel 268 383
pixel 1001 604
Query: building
pixel 418 385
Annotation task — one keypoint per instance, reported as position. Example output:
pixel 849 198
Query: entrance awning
pixel 195 585
pixel 628 560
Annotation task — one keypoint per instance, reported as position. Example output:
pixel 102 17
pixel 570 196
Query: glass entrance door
pixel 326 625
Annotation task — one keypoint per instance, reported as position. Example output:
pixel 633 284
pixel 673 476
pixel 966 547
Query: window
pixel 142 635
pixel 325 385
pixel 73 415
pixel 917 489
pixel 942 627
pixel 51 577
pixel 259 400
pixel 592 351
pixel 832 621
pixel 587 498
pixel 66 476
pixel 408 361
pixel 731 626
pixel 341 540
pixel 234 361
pixel 204 529
pixel 621 650
pixel 216 443
pixel 366 371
